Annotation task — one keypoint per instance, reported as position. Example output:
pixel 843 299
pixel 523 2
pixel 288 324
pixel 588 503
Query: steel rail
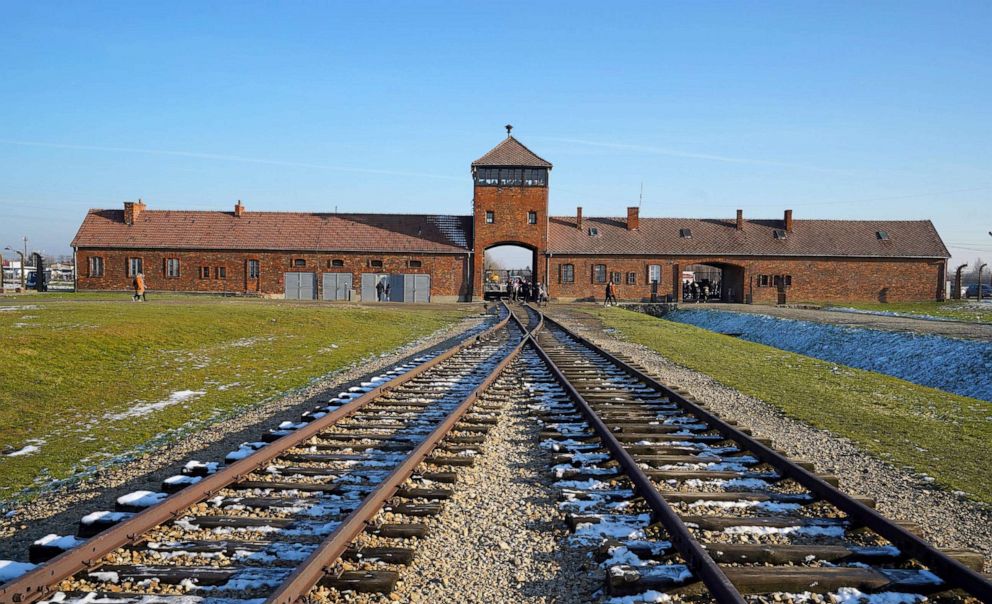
pixel 36 583
pixel 945 567
pixel 699 562
pixel 310 571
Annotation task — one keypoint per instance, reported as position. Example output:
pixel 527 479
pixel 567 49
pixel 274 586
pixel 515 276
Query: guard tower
pixel 510 205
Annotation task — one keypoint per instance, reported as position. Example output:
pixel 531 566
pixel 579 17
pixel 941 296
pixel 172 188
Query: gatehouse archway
pixel 504 265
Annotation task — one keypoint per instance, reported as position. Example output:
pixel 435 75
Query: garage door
pixel 300 286
pixel 337 286
pixel 417 288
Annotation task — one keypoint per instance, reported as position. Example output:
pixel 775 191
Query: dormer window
pixel 593 232
pixel 685 233
pixel 780 233
pixel 882 235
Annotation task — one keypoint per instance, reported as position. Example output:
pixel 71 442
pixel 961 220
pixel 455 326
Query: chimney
pixel 239 209
pixel 633 219
pixel 133 209
pixel 578 218
pixel 740 220
pixel 788 221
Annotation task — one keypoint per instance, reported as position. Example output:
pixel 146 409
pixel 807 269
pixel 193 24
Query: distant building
pixel 441 258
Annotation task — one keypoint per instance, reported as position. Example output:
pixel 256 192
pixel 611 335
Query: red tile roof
pixel 276 231
pixel 712 237
pixel 511 153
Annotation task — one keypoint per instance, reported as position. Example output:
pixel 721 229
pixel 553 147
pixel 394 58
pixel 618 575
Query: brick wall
pixel 510 206
pixel 449 272
pixel 813 279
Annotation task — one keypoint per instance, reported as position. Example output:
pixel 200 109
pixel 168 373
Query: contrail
pixel 221 157
pixel 684 154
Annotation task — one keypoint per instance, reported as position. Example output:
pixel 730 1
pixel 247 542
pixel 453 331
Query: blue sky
pixel 834 109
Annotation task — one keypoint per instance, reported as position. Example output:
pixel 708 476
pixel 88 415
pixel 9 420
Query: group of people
pixel 522 290
pixel 611 294
pixel 698 291
pixel 382 290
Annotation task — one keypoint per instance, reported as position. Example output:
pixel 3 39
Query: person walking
pixel 139 288
pixel 379 288
pixel 609 294
pixel 542 296
pixel 386 291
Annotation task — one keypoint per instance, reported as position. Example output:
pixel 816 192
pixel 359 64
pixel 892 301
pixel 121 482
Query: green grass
pixel 940 434
pixel 69 361
pixel 950 309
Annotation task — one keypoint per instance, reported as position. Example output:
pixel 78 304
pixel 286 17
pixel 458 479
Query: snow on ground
pixel 959 366
pixel 11 570
pixel 146 408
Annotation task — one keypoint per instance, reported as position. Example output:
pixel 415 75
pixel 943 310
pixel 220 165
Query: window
pixel 593 232
pixel 172 267
pixel 631 278
pixel 788 280
pixel 375 263
pixel 685 233
pixel 490 217
pixel 414 263
pixel 511 177
pixel 532 217
pixel 777 280
pixel 654 273
pixel 254 269
pixel 616 278
pixel 220 272
pixel 133 266
pixel 299 262
pixel 762 280
pixel 337 262
pixel 780 234
pixel 567 273
pixel 96 266
pixel 882 235
pixel 203 272
pixel 599 273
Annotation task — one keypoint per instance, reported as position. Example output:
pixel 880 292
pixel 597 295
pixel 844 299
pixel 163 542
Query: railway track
pixel 281 518
pixel 675 502
pixel 687 505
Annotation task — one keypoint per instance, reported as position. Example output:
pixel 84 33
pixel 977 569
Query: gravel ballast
pixel 501 537
pixel 947 519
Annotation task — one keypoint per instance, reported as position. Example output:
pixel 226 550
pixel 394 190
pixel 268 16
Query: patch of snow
pixel 813 531
pixel 11 569
pixel 109 516
pixel 141 499
pixel 648 596
pixel 28 450
pixel 53 540
pixel 182 479
pixel 146 408
pixel 949 364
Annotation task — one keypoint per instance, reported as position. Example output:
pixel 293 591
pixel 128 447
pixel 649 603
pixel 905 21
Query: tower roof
pixel 511 153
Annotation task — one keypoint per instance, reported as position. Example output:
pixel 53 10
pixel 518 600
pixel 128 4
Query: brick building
pixel 426 257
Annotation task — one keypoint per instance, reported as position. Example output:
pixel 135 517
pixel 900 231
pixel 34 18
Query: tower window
pixel 511 177
pixel 532 217
pixel 490 217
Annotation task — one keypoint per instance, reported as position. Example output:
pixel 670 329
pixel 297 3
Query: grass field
pixel 939 434
pixel 86 377
pixel 950 309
